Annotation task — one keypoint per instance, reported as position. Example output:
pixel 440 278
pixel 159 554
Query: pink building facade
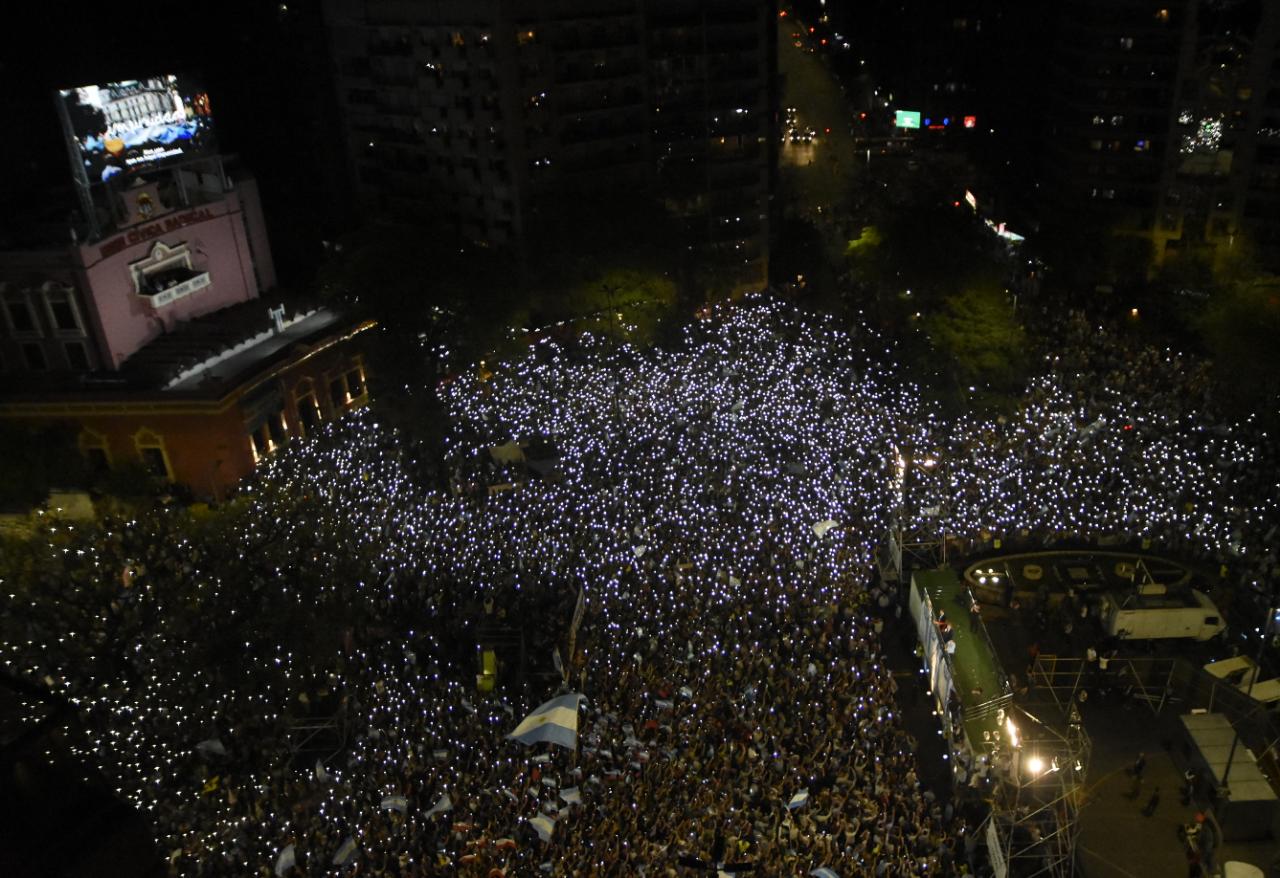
pixel 89 307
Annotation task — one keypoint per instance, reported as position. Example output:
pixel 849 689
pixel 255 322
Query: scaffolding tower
pixel 917 538
pixel 1039 773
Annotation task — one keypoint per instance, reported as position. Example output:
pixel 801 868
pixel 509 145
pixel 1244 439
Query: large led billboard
pixel 907 118
pixel 121 128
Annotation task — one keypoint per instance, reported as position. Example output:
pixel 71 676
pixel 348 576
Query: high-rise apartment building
pixel 471 114
pixel 1164 122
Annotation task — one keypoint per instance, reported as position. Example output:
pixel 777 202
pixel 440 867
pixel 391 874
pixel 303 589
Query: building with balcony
pixel 151 339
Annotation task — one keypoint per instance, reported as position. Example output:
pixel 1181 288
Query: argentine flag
pixel 395 803
pixel 555 722
pixel 823 872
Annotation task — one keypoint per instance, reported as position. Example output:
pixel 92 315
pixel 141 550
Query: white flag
pixel 544 826
pixel 286 861
pixel 346 852
pixel 443 805
pixel 211 747
pixel 821 527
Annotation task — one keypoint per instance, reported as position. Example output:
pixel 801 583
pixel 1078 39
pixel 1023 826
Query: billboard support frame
pixel 78 174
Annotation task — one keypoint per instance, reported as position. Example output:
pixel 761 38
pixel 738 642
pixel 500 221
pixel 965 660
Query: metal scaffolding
pixel 1069 679
pixel 917 537
pixel 1039 774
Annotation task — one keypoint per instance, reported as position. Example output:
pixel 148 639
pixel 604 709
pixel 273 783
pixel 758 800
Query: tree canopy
pixel 1240 326
pixel 982 338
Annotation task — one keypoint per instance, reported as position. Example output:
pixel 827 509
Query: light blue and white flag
pixel 286 861
pixel 799 800
pixel 346 852
pixel 555 722
pixel 823 872
pixel 443 805
pixel 395 803
pixel 571 796
pixel 543 825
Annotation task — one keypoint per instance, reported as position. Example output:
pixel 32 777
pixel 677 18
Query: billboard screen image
pixel 130 126
pixel 906 118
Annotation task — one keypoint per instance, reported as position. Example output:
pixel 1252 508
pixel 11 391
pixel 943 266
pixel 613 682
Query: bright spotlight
pixel 1035 765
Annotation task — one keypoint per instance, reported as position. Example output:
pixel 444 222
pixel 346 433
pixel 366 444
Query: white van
pixel 1187 614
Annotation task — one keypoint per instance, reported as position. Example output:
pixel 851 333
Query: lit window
pixel 525 37
pixel 1162 16
pixel 270 434
pixel 347 388
pixel 308 407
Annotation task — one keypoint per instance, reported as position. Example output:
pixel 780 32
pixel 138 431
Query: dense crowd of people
pixel 715 510
pixel 1120 441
